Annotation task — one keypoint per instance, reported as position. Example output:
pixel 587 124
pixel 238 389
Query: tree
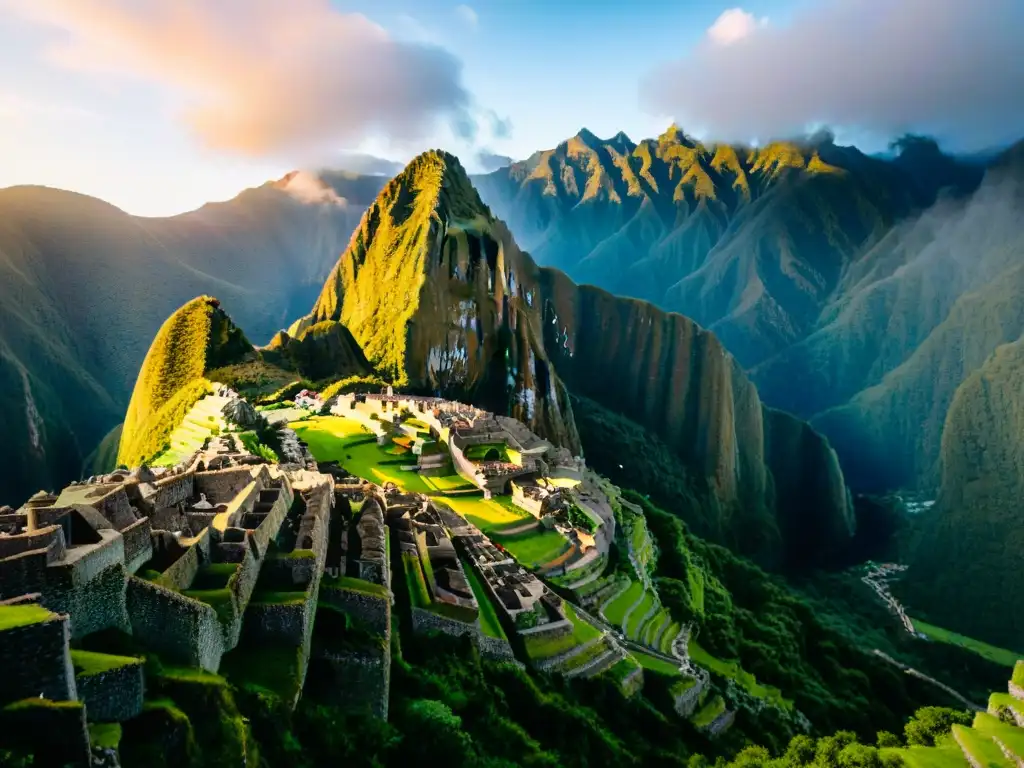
pixel 887 739
pixel 928 723
pixel 858 756
pixel 800 751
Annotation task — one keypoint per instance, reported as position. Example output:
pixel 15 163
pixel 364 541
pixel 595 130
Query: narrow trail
pixel 921 675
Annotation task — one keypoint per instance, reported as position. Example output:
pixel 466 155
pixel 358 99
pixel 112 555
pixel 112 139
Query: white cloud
pixel 468 15
pixel 308 187
pixel 949 68
pixel 734 25
pixel 264 77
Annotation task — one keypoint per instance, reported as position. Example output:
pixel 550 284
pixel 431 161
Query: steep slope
pixel 750 243
pixel 966 573
pixel 911 319
pixel 441 299
pixel 197 338
pixel 72 268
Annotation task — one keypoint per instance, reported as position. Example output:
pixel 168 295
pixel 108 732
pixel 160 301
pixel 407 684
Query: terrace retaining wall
pixel 115 695
pixel 177 626
pixel 35 661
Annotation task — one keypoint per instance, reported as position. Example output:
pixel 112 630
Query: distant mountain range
pixel 868 295
pixel 84 287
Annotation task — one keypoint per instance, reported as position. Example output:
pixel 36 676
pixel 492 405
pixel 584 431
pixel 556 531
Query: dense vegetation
pixel 196 338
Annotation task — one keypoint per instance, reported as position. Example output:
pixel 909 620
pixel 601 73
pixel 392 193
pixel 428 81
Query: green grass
pixel 335 438
pixel 946 756
pixel 979 746
pixel 707 714
pixel 542 646
pixel 489 515
pixel 734 671
pixel 682 685
pixel 1018 673
pixel 214 576
pixel 1009 735
pixel 983 649
pixel 105 735
pixel 584 657
pixel 275 668
pixel 419 595
pixel 221 600
pixel 87 663
pixel 270 597
pixel 654 664
pixel 636 617
pixel 615 611
pixel 418 425
pixel 489 622
pixel 452 482
pixel 533 549
pixel 622 669
pixel 582 629
pixel 668 636
pixel 355 585
pixel 12 616
pixel 1000 700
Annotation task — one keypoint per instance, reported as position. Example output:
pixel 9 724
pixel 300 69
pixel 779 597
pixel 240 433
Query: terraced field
pixel 615 610
pixel 201 422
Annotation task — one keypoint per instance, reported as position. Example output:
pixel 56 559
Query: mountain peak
pixel 587 137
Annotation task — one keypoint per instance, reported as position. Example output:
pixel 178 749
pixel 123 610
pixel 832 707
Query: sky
pixel 158 106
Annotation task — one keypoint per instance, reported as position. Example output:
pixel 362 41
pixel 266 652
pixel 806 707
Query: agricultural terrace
pixel 336 438
pixel 545 646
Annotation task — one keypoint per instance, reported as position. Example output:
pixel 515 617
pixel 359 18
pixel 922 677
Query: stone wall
pixel 116 508
pixel 374 612
pixel 180 575
pixel 35 660
pixel 41 538
pixel 138 544
pixel 172 491
pixel 95 604
pixel 268 529
pixel 115 695
pixel 221 486
pixel 32 723
pixel 182 629
pixel 23 574
pixel 494 648
pixel 278 623
pixel 241 586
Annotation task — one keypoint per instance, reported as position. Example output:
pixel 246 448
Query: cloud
pixel 733 25
pixel 489 161
pixel 308 187
pixel 950 68
pixel 264 77
pixel 369 165
pixel 501 127
pixel 468 15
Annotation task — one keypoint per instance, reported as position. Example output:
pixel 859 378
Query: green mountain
pixel 75 270
pixel 965 572
pixel 197 338
pixel 441 299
